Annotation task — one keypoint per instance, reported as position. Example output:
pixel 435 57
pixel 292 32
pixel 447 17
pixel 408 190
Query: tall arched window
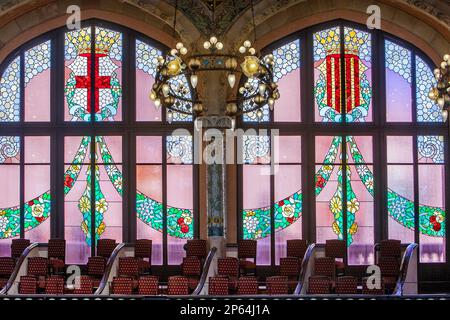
pixel 85 152
pixel 359 150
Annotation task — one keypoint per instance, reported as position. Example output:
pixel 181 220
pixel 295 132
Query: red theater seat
pixel 18 246
pixel 54 285
pixel 6 269
pixel 83 285
pixel 247 286
pixel 336 249
pixel 122 285
pixel 28 285
pixel 229 267
pixel 148 285
pixel 56 255
pixel 247 250
pixel 191 269
pixel 143 252
pixel 277 285
pixel 178 285
pixel 218 286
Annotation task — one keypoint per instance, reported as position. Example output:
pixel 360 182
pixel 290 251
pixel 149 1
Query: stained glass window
pixel 287 76
pixel 93 79
pixel 10 92
pixel 329 89
pixel 398 83
pixel 285 190
pixel 37 82
pixel 427 110
pixel 146 64
pixel 79 194
pixel 9 201
pixel 34 155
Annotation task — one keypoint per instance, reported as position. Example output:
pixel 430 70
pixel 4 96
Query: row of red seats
pixel 330 275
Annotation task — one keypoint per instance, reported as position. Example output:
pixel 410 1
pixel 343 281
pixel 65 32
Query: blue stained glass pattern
pixel 10 93
pixel 179 149
pixel 287 59
pixel 146 57
pixel 398 60
pixel 37 60
pixel 431 148
pixel 427 110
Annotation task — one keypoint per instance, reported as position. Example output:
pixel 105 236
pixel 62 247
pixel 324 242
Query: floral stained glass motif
pixel 256 149
pixel 179 149
pixel 427 110
pixel 10 92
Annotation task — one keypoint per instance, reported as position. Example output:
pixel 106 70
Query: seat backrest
pixel 148 285
pixel 277 285
pixel 128 266
pixel 247 286
pixel 96 266
pixel 6 266
pixel 54 285
pixel 191 266
pixel 289 266
pixel 247 249
pixel 122 285
pixel 335 248
pixel 143 249
pixel 37 266
pixel 105 247
pixel 346 285
pixel 196 248
pixel 83 285
pixel 57 248
pixel 389 266
pixel 27 285
pixel 178 285
pixel 296 248
pixel 228 266
pixel 18 246
pixel 324 266
pixel 218 286
pixel 390 248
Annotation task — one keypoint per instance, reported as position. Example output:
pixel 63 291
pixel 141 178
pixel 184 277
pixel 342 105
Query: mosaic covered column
pixel 214 132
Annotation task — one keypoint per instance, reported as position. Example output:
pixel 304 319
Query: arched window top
pixel 348 61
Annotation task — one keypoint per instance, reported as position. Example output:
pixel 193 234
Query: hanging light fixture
pixel 255 72
pixel 441 93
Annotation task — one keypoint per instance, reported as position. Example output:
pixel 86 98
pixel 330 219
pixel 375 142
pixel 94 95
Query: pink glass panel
pixel 114 145
pixel 287 108
pixel 401 181
pixel 432 193
pixel 149 149
pixel 322 145
pixel 71 145
pixel 287 182
pixel 398 98
pixel 37 149
pixel 287 149
pixel 145 108
pixel 253 198
pixel 399 149
pixel 149 182
pixel 37 98
pixel 10 198
pixel 180 195
pixel 364 145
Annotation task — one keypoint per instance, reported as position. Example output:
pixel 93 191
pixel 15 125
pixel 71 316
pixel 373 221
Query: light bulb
pixel 250 66
pixel 157 103
pixel 169 116
pixel 259 114
pixel 242 49
pixel 432 94
pixel 447 57
pixel 194 80
pixel 179 45
pixel 213 40
pixel 165 89
pixel 207 45
pixel 444 115
pixel 271 103
pixel 252 50
pixel 174 67
pixel 241 90
pixel 183 51
pixel 233 124
pixel 231 80
pixel 219 45
pixel 443 64
pixel 173 52
pixel 441 102
pixel 247 44
pixel 262 89
pixel 152 95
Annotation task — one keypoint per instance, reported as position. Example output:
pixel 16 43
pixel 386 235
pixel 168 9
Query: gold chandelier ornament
pixel 441 93
pixel 254 72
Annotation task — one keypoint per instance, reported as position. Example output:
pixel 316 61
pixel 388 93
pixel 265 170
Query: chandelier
pixel 257 88
pixel 441 93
